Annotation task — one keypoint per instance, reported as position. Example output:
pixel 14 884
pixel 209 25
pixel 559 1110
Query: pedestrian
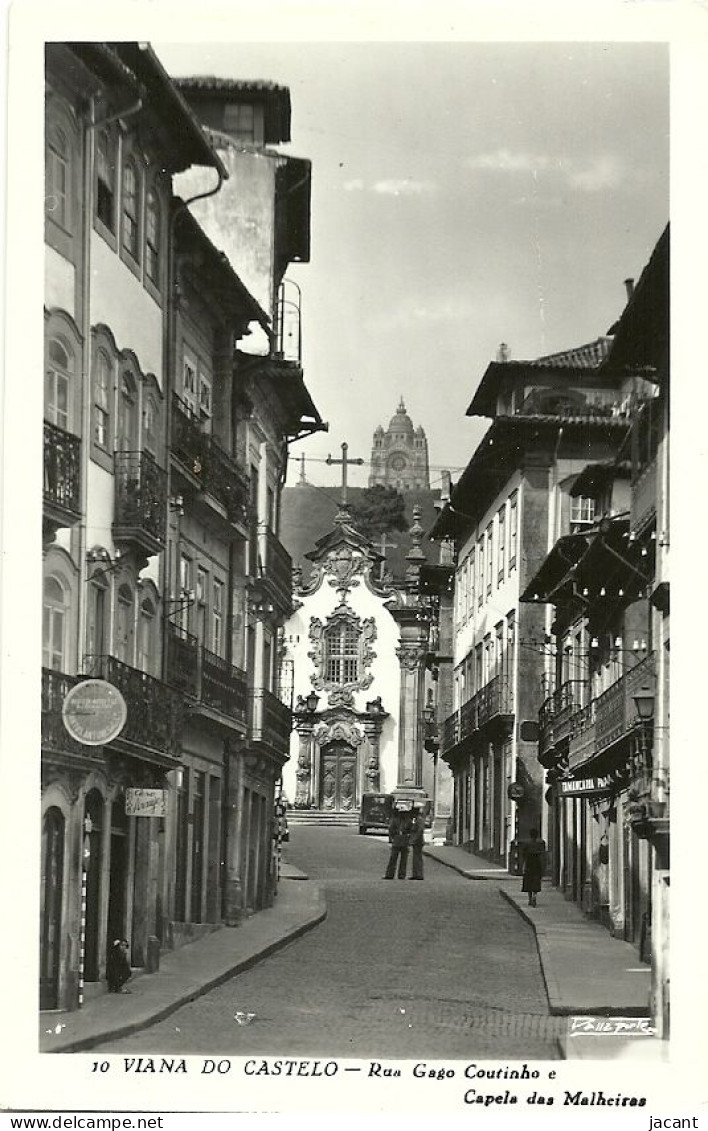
pixel 416 841
pixel 118 967
pixel 398 833
pixel 534 866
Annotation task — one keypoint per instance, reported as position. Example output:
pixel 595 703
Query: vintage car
pixel 376 810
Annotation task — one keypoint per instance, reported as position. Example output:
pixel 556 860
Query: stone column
pixel 372 770
pixel 303 773
pixel 233 895
pixel 411 655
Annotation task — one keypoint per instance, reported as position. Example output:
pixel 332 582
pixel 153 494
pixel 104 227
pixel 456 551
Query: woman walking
pixel 534 866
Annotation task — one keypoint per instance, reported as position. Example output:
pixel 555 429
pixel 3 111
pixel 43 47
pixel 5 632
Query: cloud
pixel 413 313
pixel 404 186
pixel 506 161
pixel 603 172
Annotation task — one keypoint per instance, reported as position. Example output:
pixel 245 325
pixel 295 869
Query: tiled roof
pixel 589 356
pixel 213 82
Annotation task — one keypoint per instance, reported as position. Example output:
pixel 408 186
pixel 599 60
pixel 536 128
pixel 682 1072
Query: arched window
pixel 103 395
pixel 126 425
pixel 57 182
pixel 152 238
pixel 342 653
pixel 124 625
pixel 57 383
pixel 146 636
pixel 54 625
pixel 130 209
pixel 106 181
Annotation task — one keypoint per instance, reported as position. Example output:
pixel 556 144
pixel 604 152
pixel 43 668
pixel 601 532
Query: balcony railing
pixel 155 710
pixel 468 718
pixel 223 686
pixel 205 677
pixel 141 500
pixel 55 687
pixel 555 714
pixel 274 570
pixel 62 473
pixel 450 735
pixel 494 700
pixel 581 744
pixel 182 660
pixel 270 720
pixel 218 473
pixel 615 711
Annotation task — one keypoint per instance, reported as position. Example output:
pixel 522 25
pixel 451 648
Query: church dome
pixel 401 422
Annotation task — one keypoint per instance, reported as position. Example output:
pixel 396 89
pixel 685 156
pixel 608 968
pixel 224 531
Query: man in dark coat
pixel 416 842
pixel 398 833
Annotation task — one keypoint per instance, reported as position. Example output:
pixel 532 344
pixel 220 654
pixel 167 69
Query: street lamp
pixel 644 703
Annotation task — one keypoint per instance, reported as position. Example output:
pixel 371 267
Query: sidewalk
pixel 586 971
pixel 188 972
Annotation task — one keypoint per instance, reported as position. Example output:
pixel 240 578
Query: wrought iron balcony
pixel 450 735
pixel 141 501
pixel 494 701
pixel 182 660
pixel 468 718
pixel 207 679
pixel 155 710
pixel 62 477
pixel 615 711
pixel 273 579
pixel 213 469
pixel 555 715
pixel 270 721
pixel 55 688
pixel 223 686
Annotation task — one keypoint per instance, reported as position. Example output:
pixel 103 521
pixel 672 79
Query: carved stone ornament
pixel 411 656
pixel 342 695
pixel 338 732
pixel 344 565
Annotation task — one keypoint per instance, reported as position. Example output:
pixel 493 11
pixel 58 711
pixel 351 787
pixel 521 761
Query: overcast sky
pixel 463 195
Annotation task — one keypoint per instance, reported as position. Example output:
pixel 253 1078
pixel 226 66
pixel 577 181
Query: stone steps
pixel 323 817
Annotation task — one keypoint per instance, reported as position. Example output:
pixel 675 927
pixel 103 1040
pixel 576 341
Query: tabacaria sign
pixel 94 712
pixel 146 802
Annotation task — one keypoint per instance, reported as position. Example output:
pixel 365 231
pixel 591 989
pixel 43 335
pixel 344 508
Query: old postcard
pixel 354 568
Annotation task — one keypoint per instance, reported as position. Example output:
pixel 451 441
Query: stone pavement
pixel 585 969
pixel 188 972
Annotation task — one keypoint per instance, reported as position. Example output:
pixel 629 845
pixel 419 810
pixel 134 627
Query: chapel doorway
pixel 338 790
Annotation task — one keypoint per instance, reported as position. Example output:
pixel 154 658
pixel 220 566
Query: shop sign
pixel 146 802
pixel 583 787
pixel 516 791
pixel 94 712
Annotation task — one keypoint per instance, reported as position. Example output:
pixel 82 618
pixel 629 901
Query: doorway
pixel 93 864
pixel 338 785
pixel 116 881
pixel 52 899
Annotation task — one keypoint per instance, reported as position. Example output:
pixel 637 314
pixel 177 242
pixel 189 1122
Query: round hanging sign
pixel 94 712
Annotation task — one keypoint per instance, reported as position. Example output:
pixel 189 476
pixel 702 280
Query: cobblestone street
pixel 440 969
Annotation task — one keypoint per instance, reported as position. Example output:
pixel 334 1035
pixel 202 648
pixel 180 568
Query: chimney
pixel 503 353
pixel 629 287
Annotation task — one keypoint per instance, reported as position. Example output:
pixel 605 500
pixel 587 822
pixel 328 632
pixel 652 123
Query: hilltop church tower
pixel 399 457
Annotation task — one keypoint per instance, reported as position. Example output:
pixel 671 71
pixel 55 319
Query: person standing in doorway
pixel 398 835
pixel 534 866
pixel 118 967
pixel 416 842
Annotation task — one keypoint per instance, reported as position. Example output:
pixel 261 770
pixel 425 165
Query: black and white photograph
pixel 355 530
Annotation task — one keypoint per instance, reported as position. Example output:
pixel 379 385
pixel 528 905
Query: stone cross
pixel 345 462
pixel 382 546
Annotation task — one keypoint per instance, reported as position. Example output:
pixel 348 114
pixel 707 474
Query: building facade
pixel 399 455
pixel 164 454
pixel 504 513
pixel 604 727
